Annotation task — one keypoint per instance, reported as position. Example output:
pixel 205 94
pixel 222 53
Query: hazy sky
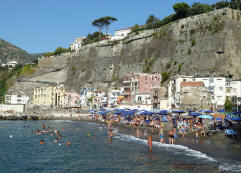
pixel 42 25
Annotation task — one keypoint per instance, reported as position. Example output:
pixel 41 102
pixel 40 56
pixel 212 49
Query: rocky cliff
pixel 9 52
pixel 197 45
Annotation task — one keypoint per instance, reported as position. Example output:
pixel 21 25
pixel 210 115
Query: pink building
pixel 140 83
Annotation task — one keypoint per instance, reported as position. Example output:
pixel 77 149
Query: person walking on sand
pixel 161 134
pixel 150 142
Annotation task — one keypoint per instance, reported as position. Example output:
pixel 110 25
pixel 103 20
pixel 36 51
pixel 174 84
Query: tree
pixel 99 24
pixel 181 9
pixel 198 8
pixel 221 4
pixel 151 21
pixel 228 105
pixel 107 21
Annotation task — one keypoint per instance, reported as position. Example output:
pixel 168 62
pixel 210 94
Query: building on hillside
pixel 233 92
pixel 85 97
pixel 194 96
pixel 71 99
pixel 77 44
pixel 12 108
pixel 99 99
pixel 159 98
pixel 217 85
pixel 16 99
pixel 49 97
pixel 120 34
pixel 10 64
pixel 139 83
pixel 142 99
pixel 114 98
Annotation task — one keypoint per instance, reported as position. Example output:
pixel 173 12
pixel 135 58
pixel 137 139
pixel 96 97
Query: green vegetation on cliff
pixel 6 75
pixel 9 52
pixel 58 51
pixel 183 10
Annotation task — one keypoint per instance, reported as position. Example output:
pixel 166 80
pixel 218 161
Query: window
pixel 221 88
pixel 184 80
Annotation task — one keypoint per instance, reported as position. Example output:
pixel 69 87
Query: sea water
pixel 92 151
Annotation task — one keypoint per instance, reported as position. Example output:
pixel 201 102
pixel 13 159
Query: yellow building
pixel 51 96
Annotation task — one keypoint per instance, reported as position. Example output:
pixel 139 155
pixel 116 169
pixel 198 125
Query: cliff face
pixel 9 52
pixel 196 45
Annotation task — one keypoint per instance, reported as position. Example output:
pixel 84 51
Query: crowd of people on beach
pixel 175 125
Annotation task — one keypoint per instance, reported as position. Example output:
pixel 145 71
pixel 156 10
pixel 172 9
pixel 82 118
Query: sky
pixel 43 25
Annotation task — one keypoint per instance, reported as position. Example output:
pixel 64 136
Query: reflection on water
pixel 91 151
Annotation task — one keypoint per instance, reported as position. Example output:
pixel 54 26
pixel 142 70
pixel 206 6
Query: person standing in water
pixel 110 134
pixel 137 133
pixel 161 134
pixel 150 142
pixel 171 136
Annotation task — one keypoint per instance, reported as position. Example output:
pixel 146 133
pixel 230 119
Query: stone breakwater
pixel 39 116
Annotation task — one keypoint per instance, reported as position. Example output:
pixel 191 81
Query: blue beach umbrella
pixel 194 114
pixel 102 109
pixel 236 118
pixel 163 112
pixel 178 111
pixel 237 113
pixel 206 111
pixel 222 111
pixel 102 113
pixel 205 117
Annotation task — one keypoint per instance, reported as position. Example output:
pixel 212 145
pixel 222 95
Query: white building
pixel 113 96
pixel 11 64
pixel 16 99
pixel 77 44
pixel 142 99
pixel 120 34
pixel 220 87
pixel 147 107
pixel 11 108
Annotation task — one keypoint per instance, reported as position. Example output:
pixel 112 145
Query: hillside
pixel 9 52
pixel 197 45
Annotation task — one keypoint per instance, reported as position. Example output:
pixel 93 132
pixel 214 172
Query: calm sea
pixel 20 151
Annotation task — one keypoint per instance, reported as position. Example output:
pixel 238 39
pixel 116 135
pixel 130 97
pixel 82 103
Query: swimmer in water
pixel 150 142
pixel 68 143
pixel 88 134
pixel 93 136
pixel 39 132
pixel 110 134
pixel 56 140
pixel 41 141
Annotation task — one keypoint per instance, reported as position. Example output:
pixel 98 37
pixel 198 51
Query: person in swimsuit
pixel 110 134
pixel 137 133
pixel 171 136
pixel 68 143
pixel 150 142
pixel 161 134
pixel 41 142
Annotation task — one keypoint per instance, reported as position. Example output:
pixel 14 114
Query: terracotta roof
pixel 191 84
